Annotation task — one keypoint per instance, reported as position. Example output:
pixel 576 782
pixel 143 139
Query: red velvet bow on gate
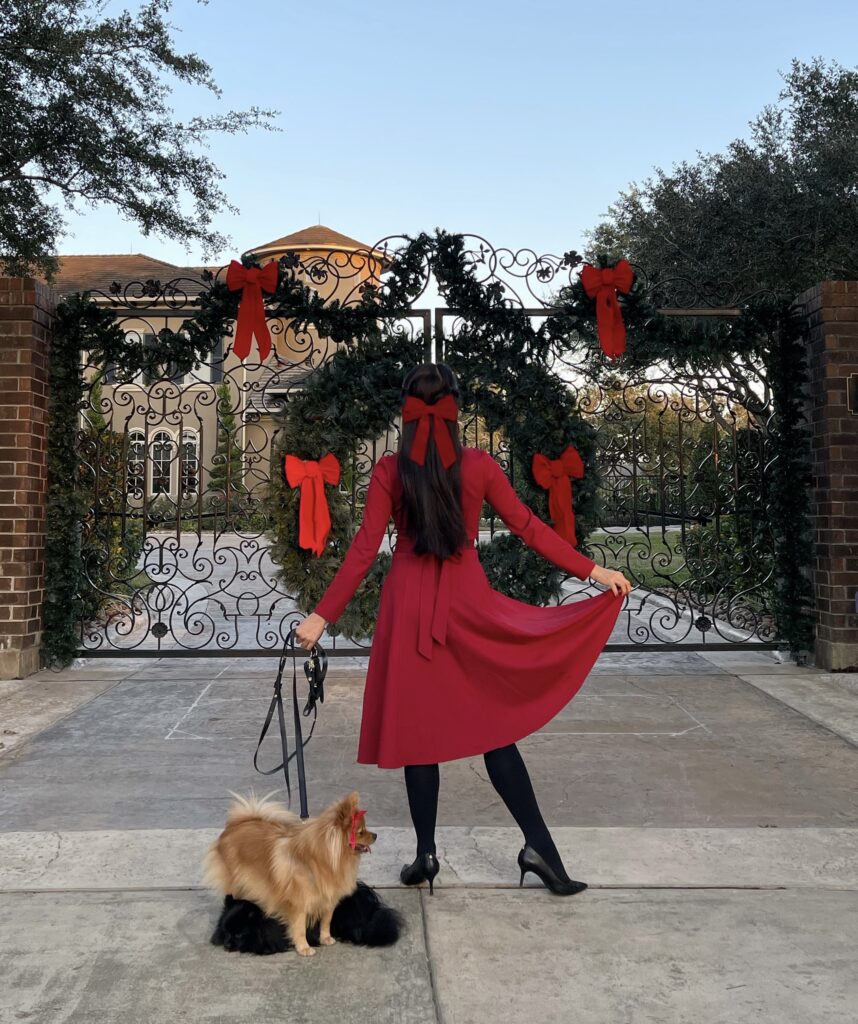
pixel 414 408
pixel 252 281
pixel 314 518
pixel 604 283
pixel 553 475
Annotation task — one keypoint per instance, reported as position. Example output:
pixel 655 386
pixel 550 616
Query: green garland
pixel 789 511
pixel 771 331
pixel 502 360
pixel 78 325
pixel 82 326
pixel 356 395
pixel 353 395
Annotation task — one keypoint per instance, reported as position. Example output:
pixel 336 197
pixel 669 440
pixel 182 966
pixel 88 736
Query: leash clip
pixel 315 669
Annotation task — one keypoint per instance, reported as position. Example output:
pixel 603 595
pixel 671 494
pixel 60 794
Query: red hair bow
pixel 553 475
pixel 603 284
pixel 252 282
pixel 356 816
pixel 415 408
pixel 314 518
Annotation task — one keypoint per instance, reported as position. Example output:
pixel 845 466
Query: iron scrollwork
pixel 176 467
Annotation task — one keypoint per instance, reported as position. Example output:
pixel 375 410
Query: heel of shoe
pixel 530 860
pixel 424 868
pixel 430 873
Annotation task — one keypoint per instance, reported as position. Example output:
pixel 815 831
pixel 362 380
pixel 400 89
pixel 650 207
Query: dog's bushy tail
pixel 364 919
pixel 243 808
pixel 244 928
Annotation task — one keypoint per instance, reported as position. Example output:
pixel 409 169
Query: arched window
pixel 162 459
pixel 190 464
pixel 135 465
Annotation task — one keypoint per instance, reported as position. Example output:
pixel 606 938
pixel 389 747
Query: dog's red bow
pixel 356 816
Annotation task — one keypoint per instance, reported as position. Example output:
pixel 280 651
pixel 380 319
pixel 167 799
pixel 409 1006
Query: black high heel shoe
pixel 530 860
pixel 423 868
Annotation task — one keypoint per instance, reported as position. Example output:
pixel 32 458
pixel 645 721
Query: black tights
pixel 508 774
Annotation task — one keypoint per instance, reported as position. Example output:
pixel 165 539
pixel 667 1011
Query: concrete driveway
pixel 709 800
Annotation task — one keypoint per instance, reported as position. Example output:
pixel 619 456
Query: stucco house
pixel 171 425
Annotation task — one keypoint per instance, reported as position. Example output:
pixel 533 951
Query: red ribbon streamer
pixel 433 601
pixel 252 282
pixel 314 517
pixel 415 408
pixel 356 816
pixel 603 284
pixel 553 475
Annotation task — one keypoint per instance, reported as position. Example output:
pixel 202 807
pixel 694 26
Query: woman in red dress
pixel 456 668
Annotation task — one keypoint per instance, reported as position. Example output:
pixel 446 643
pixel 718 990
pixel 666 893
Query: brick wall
pixel 26 309
pixel 832 347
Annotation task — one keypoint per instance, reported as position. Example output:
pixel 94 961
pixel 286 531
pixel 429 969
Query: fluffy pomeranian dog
pixel 296 871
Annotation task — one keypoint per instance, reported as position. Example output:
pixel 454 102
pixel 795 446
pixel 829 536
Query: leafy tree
pixel 777 211
pixel 227 472
pixel 111 540
pixel 84 118
pixel 773 215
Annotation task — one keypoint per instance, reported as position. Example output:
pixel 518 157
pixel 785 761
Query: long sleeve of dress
pixel 363 549
pixel 524 523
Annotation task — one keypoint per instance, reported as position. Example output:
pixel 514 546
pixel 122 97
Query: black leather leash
pixel 315 668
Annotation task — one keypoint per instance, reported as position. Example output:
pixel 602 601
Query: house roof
pixel 317 236
pixel 274 380
pixel 97 273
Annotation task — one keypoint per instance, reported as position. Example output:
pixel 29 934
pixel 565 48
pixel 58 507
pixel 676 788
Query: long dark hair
pixel 431 494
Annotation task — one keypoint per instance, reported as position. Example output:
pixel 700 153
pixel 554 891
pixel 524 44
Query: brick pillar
pixel 26 311
pixel 832 412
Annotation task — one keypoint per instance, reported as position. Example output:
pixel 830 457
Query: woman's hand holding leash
pixel 308 632
pixel 613 579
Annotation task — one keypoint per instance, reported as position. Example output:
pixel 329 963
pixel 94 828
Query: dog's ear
pixel 347 806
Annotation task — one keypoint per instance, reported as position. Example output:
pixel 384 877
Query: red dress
pixel 456 668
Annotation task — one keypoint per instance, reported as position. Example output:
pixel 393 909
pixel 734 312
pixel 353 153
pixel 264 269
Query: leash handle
pixel 315 668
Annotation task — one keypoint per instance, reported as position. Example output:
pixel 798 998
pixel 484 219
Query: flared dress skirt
pixel 503 670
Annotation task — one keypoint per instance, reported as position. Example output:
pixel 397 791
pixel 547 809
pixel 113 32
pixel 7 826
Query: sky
pixel 517 121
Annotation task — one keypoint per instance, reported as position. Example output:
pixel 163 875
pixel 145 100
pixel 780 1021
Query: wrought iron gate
pixel 175 548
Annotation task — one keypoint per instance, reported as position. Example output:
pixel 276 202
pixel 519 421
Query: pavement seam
pixel 803 714
pixel 481 886
pixel 13 753
pixel 433 988
pixel 188 710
